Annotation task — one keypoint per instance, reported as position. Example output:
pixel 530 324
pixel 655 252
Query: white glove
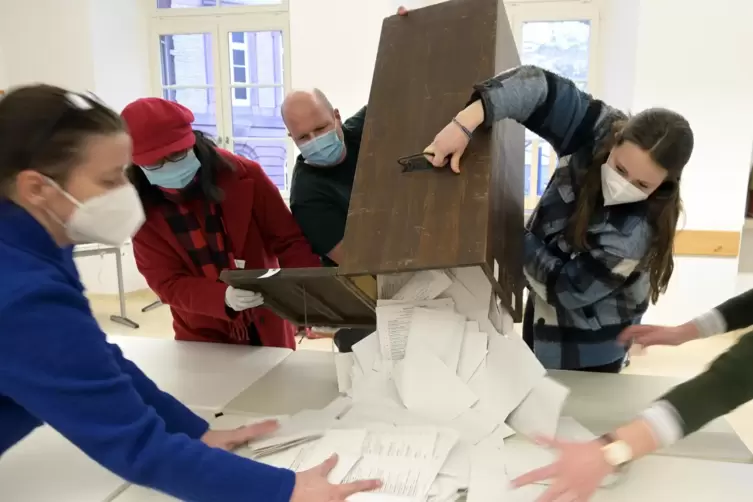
pixel 239 299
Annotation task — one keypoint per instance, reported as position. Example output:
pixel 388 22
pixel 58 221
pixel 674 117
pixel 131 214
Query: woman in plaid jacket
pixel 208 210
pixel 598 246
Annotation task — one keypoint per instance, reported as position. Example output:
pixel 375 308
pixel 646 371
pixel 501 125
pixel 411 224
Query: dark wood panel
pixel 310 297
pixel 425 70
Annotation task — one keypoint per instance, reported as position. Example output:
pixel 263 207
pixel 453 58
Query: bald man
pixel 324 172
pixel 323 178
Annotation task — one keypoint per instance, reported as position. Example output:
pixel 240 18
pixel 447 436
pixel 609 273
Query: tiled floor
pixel 698 284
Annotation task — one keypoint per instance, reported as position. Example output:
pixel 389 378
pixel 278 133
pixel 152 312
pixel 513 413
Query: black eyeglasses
pixel 175 157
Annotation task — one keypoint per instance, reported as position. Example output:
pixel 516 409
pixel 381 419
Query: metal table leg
pixel 122 318
pixel 152 306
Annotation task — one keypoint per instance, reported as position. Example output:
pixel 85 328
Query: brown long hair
pixel 667 138
pixel 43 128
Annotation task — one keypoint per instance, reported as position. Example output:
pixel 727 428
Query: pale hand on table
pixel 451 142
pixel 646 335
pixel 577 473
pixel 236 438
pixel 239 299
pixel 312 485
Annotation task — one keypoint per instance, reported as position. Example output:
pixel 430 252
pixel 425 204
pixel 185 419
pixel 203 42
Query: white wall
pixel 119 31
pixel 92 45
pixel 334 46
pixel 693 63
pixel 618 51
pixel 47 41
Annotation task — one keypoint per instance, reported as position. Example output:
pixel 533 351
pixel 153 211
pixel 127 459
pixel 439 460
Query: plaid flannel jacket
pixel 581 300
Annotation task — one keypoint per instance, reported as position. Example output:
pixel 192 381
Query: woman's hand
pixel 451 142
pixel 646 335
pixel 312 485
pixel 230 440
pixel 577 473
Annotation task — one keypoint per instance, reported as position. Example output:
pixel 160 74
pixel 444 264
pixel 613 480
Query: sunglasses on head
pixel 75 103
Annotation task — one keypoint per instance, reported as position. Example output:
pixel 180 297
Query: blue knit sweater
pixel 581 300
pixel 56 367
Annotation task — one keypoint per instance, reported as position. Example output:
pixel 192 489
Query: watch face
pixel 617 453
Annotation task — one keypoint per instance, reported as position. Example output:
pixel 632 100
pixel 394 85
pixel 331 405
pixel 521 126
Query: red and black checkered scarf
pixel 204 237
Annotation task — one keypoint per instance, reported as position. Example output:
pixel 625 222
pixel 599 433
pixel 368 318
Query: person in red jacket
pixel 208 210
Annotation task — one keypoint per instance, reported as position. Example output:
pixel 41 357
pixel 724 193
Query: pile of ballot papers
pixel 430 399
pixel 445 350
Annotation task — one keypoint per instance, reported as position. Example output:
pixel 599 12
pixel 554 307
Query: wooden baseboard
pixel 707 243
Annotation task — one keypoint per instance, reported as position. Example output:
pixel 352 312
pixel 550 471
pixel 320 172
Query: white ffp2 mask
pixel 618 190
pixel 111 218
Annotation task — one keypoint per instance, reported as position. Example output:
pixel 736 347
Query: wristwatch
pixel 616 452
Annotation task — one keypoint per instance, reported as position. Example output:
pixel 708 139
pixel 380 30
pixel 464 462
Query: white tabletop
pixel 662 479
pixel 602 402
pixel 598 401
pixel 200 375
pixel 45 467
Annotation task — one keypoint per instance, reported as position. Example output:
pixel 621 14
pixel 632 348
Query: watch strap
pixel 607 440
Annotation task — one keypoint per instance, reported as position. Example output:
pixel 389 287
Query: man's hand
pixel 312 485
pixel 402 11
pixel 230 440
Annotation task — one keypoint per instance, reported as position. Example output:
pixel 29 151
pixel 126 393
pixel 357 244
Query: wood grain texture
pixel 426 67
pixel 312 296
pixel 707 243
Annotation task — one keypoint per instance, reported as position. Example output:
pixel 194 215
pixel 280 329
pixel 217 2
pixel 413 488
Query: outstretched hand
pixel 647 335
pixel 312 485
pixel 575 475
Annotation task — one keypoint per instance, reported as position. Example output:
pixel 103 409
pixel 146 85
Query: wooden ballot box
pixel 405 216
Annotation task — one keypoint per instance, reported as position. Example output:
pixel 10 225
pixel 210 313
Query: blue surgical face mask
pixel 324 150
pixel 175 175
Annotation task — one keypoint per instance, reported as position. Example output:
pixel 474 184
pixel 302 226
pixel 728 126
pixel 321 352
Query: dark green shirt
pixel 728 382
pixel 320 196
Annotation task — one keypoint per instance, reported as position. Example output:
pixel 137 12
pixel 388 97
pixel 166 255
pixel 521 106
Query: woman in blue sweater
pixel 62 182
pixel 598 247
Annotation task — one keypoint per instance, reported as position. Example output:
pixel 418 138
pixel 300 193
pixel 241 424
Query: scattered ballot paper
pixel 473 351
pixel 512 371
pixel 394 319
pixel 428 387
pixel 539 413
pixel 487 480
pixel 344 362
pixel 444 357
pixel 425 285
pixel 440 332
